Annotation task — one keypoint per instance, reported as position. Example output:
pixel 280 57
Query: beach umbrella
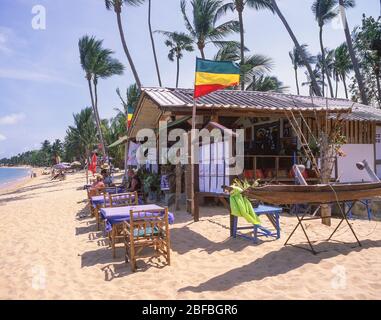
pixel 61 166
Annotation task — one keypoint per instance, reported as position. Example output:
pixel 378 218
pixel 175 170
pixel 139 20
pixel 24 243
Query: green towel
pixel 241 206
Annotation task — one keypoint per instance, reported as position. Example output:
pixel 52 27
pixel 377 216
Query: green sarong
pixel 240 206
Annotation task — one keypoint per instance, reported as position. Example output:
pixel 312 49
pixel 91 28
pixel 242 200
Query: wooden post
pixel 193 200
pixel 178 184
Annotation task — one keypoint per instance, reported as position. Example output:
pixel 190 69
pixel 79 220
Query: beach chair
pixel 93 193
pixel 118 200
pixel 144 231
pixel 122 199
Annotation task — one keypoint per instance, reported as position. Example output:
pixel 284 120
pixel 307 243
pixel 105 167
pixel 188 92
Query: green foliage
pixel 202 27
pixel 369 60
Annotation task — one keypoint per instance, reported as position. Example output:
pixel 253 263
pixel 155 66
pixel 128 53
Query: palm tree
pixel 229 51
pixel 153 43
pixel 239 6
pixel 325 67
pixel 97 63
pixel 255 65
pixel 356 67
pixel 297 61
pixel 317 76
pixel 315 86
pixel 203 28
pixel 56 150
pixel 130 101
pixel 342 66
pixel 81 137
pixel 324 12
pixel 117 5
pixel 178 42
pixel 266 83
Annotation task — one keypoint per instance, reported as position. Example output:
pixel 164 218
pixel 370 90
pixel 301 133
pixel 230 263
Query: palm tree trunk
pixel 324 61
pixel 377 73
pixel 99 121
pixel 96 115
pixel 297 81
pixel 242 39
pixel 153 43
pixel 177 71
pixel 337 86
pixel 297 45
pixel 323 80
pixel 352 54
pixel 201 48
pixel 127 52
pixel 345 86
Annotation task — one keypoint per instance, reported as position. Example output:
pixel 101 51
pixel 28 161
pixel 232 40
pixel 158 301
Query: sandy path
pixel 48 252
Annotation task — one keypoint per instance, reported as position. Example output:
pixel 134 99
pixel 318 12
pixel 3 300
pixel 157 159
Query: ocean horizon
pixel 10 175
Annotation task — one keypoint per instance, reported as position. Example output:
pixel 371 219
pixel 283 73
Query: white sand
pixel 48 252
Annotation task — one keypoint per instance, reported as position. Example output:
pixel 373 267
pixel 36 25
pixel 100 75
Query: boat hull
pixel 299 194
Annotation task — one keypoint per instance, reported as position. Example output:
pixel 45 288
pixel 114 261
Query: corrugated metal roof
pixel 168 98
pixel 364 113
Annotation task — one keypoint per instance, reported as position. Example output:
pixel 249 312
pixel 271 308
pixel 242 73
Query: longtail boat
pixel 317 194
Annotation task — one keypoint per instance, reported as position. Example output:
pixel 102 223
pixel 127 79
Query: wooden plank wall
pixel 356 132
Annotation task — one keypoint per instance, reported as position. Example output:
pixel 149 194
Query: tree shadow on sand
pixel 184 240
pixel 278 262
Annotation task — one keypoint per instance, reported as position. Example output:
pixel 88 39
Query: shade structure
pixel 75 164
pixel 118 142
pixel 62 166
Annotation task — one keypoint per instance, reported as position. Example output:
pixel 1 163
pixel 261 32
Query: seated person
pixel 133 184
pixel 98 183
pixel 107 179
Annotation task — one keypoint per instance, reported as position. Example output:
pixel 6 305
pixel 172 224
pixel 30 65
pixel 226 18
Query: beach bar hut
pixel 270 143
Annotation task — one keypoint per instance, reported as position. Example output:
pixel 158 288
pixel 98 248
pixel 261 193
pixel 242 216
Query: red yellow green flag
pixel 214 75
pixel 130 112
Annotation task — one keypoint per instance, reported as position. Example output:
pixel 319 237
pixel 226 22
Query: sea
pixel 11 175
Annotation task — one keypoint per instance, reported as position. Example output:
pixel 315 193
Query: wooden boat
pixel 318 194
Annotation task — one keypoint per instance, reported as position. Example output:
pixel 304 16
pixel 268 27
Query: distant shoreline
pixel 18 167
pixel 16 183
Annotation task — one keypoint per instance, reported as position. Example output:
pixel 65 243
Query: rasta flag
pixel 130 112
pixel 214 75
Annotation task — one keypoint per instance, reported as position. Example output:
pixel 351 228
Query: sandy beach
pixel 48 251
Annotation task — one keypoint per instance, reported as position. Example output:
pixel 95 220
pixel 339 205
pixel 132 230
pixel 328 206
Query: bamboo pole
pixel 193 200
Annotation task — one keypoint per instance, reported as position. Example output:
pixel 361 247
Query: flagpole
pixel 193 200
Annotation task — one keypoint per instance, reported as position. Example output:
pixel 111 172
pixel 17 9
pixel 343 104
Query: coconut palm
pixel 178 42
pixel 342 66
pixel 239 6
pixel 229 51
pixel 255 65
pixel 326 66
pixel 153 43
pixel 297 61
pixel 130 101
pixel 311 74
pixel 117 5
pixel 266 83
pixel 97 63
pixel 325 11
pixel 81 137
pixel 202 28
pixel 309 83
pixel 356 67
pixel 57 150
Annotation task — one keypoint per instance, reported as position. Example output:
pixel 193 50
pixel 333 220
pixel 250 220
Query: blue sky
pixel 42 84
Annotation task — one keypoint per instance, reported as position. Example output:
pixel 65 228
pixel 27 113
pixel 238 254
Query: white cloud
pixel 2 137
pixel 12 119
pixel 19 74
